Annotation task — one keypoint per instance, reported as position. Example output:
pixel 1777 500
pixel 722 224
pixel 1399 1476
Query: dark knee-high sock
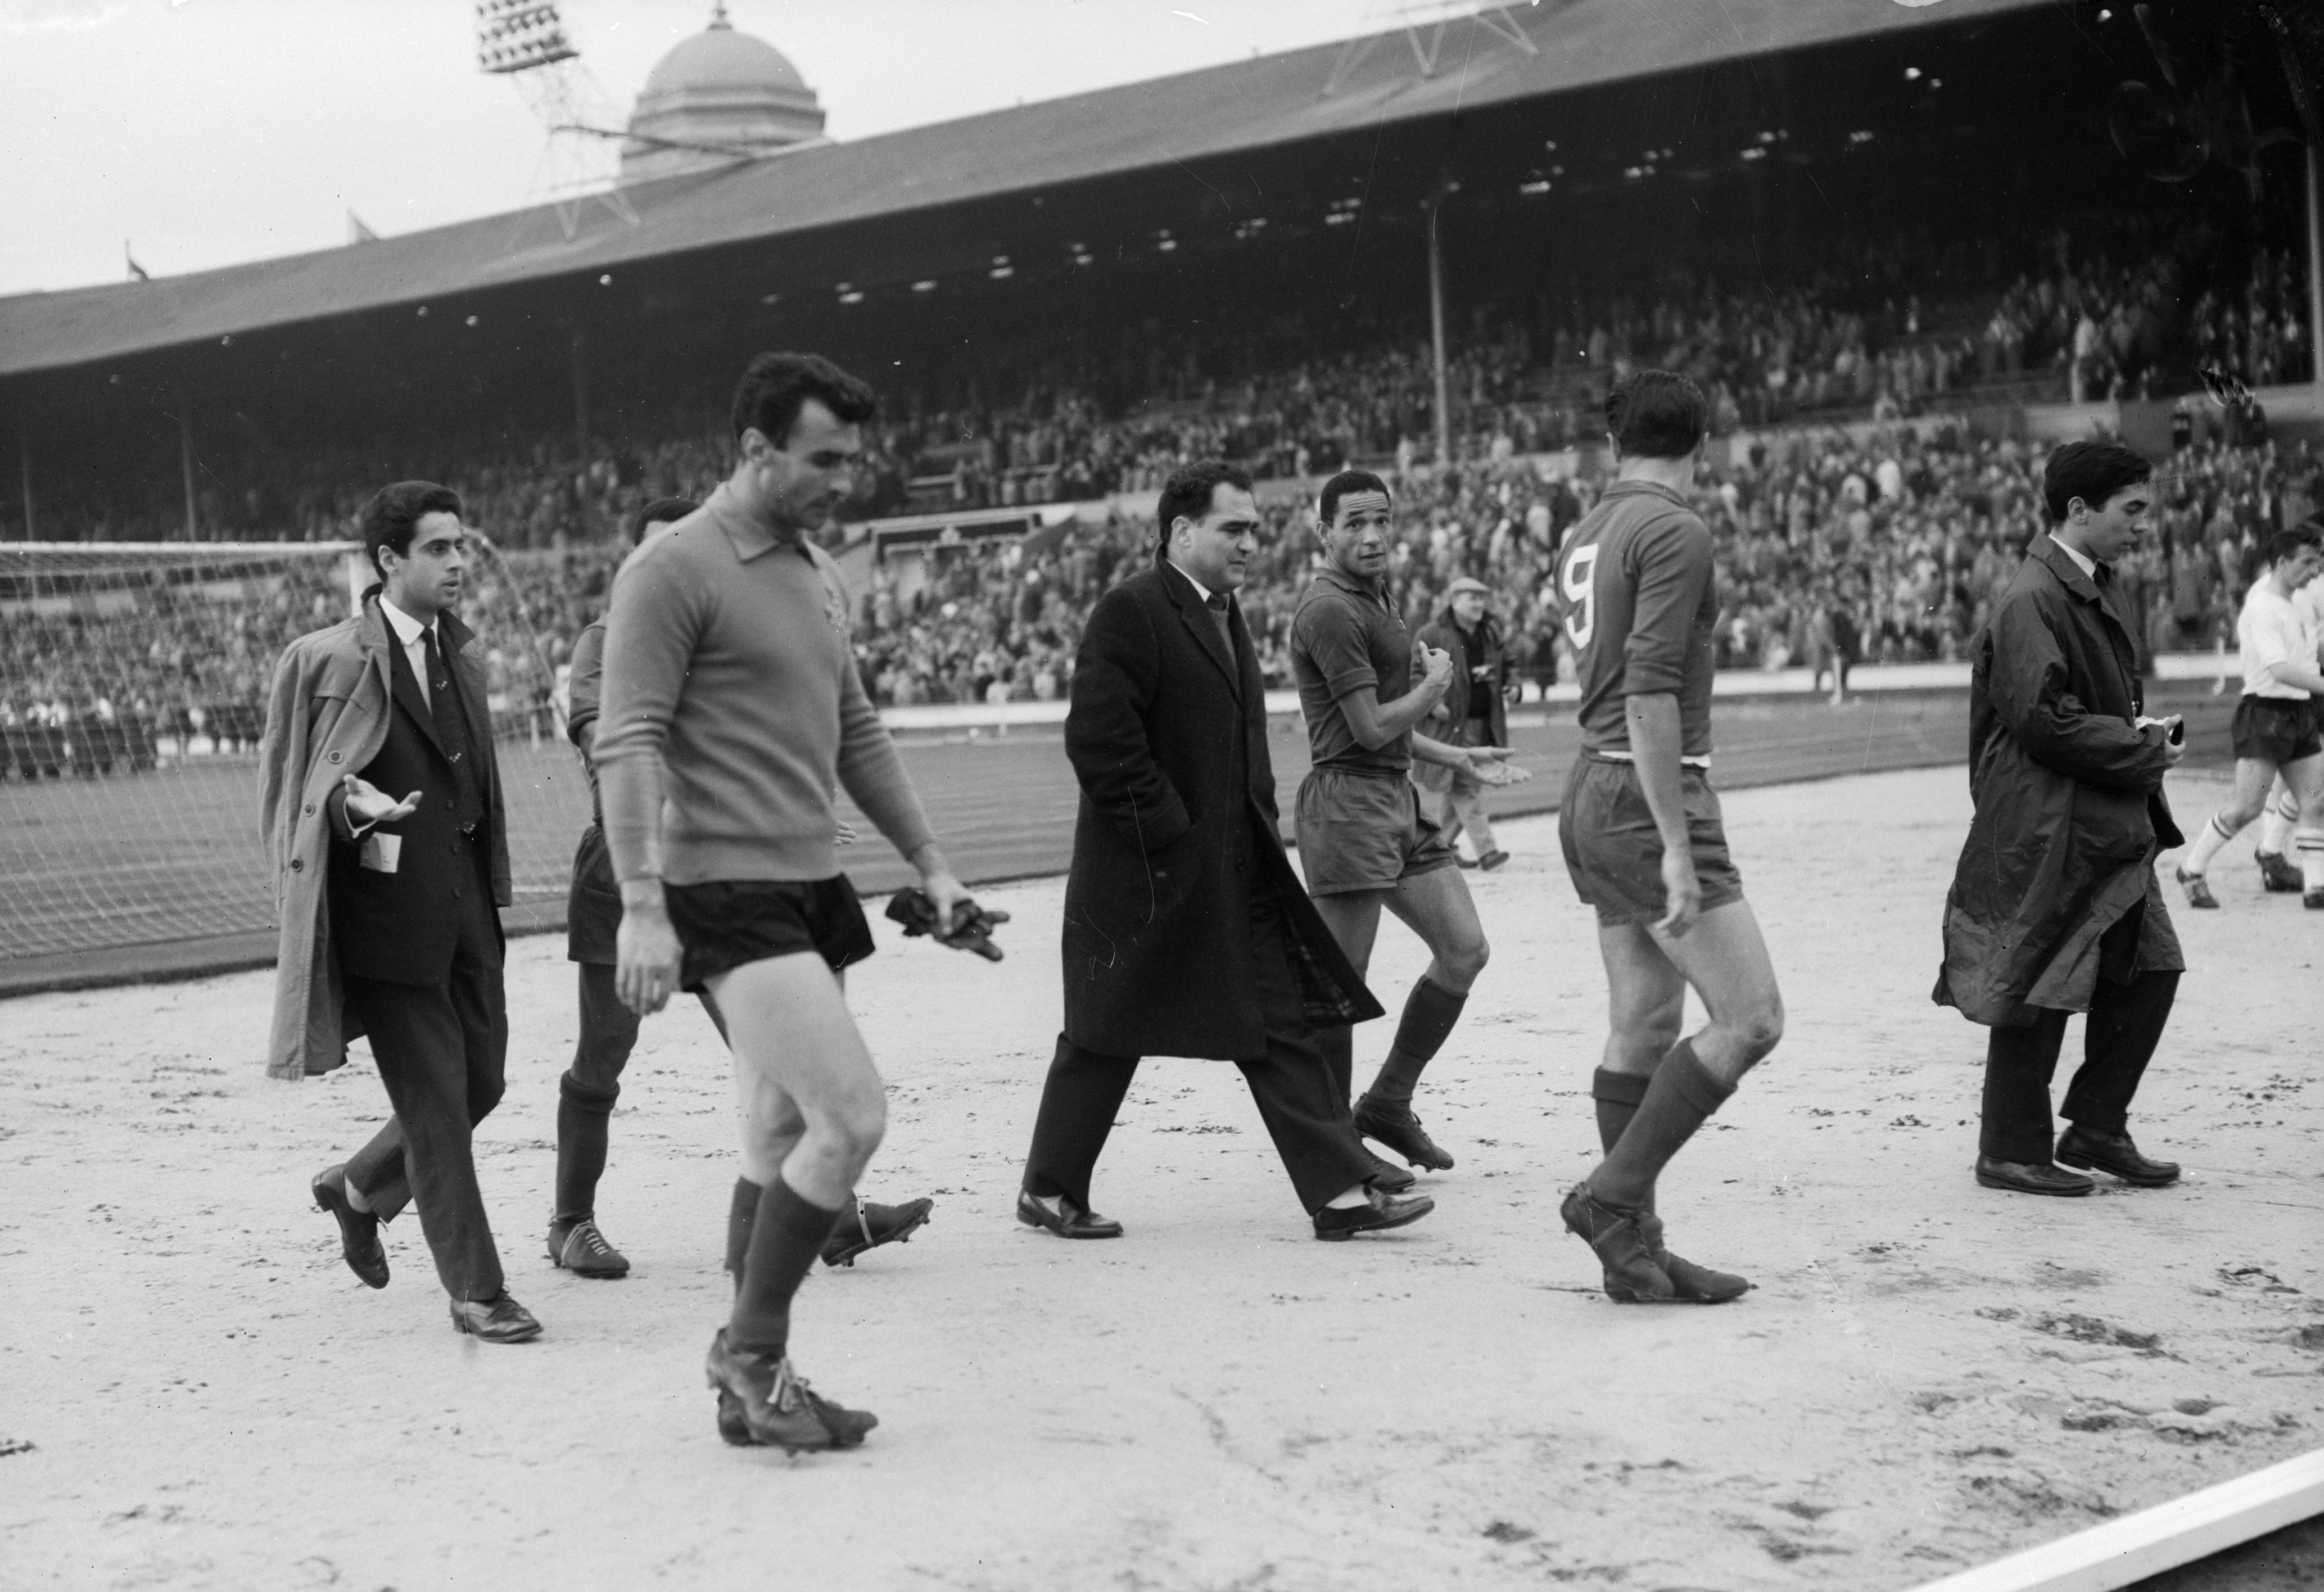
pixel 581 1114
pixel 1617 1096
pixel 786 1237
pixel 741 1217
pixel 1681 1098
pixel 1338 1048
pixel 1429 1013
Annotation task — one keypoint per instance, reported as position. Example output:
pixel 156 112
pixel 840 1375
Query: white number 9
pixel 1576 584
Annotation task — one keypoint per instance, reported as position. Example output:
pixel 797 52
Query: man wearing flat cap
pixel 1474 712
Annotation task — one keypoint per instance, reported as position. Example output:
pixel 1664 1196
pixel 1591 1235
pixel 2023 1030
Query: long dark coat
pixel 2070 805
pixel 1167 735
pixel 1443 632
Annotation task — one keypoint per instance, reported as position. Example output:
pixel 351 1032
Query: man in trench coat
pixel 1186 933
pixel 2054 906
pixel 380 803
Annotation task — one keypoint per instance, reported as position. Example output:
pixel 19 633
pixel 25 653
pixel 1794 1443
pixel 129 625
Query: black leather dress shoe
pixel 2114 1153
pixel 2030 1177
pixel 359 1243
pixel 1068 1220
pixel 1377 1214
pixel 495 1321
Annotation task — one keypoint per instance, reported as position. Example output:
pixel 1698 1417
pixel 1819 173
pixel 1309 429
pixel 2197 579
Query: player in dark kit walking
pixel 1642 840
pixel 587 1091
pixel 733 712
pixel 1364 842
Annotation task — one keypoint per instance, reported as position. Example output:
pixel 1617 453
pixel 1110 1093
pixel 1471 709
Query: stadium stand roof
pixel 1265 102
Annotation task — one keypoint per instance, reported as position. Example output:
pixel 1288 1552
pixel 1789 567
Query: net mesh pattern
pixel 133 680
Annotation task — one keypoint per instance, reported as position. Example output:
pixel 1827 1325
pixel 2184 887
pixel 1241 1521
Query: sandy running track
pixel 1928 1375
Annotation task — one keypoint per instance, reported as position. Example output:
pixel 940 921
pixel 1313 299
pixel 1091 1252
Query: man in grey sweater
pixel 732 714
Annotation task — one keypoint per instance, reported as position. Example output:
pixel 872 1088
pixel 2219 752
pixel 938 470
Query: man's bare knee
pixel 1464 960
pixel 859 1125
pixel 1758 1031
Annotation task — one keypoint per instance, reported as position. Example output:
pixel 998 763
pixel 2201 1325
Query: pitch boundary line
pixel 2163 1537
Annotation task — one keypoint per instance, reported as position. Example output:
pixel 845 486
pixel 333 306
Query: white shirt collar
pixel 2082 561
pixel 1200 590
pixel 407 629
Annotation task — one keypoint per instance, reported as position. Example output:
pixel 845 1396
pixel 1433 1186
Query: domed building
pixel 718 98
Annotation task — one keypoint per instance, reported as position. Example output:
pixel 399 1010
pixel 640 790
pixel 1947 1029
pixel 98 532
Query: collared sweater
pixel 732 710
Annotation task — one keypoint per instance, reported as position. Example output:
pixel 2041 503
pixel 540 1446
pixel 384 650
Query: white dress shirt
pixel 2082 561
pixel 414 637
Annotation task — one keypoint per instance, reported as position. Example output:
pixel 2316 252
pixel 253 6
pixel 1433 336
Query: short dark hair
pixel 1188 494
pixel 1657 415
pixel 1327 502
pixel 2285 544
pixel 2091 471
pixel 660 511
pixel 393 513
pixel 776 387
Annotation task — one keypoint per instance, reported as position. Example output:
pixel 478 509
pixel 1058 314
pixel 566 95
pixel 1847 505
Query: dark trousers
pixel 609 1032
pixel 591 1086
pixel 2124 1024
pixel 1305 1115
pixel 442 1052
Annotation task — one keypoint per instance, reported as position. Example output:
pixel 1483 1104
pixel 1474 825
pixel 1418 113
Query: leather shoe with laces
pixel 2112 1152
pixel 779 1409
pixel 582 1250
pixel 1690 1283
pixel 2030 1177
pixel 1377 1214
pixel 1395 1127
pixel 2278 874
pixel 872 1226
pixel 2198 889
pixel 495 1321
pixel 1387 1177
pixel 1068 1220
pixel 359 1243
pixel 1618 1237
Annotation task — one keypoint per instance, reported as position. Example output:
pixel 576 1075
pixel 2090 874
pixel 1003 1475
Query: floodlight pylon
pixel 525 42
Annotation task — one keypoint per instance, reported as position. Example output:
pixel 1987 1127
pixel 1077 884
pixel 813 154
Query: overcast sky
pixel 209 132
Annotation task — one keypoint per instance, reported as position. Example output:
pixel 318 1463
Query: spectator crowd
pixel 1885 543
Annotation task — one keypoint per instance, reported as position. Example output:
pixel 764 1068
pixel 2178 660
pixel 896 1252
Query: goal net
pixel 134 679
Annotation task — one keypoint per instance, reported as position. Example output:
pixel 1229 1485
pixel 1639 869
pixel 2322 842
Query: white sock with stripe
pixel 2309 842
pixel 2275 828
pixel 2207 846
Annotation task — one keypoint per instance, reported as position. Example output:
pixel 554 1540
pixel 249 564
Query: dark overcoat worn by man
pixel 2054 906
pixel 396 935
pixel 1474 712
pixel 1187 931
pixel 1476 680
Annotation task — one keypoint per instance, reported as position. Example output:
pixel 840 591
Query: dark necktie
pixel 452 733
pixel 1217 603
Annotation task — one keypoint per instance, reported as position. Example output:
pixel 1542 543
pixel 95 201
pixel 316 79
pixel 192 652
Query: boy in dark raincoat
pixel 2054 906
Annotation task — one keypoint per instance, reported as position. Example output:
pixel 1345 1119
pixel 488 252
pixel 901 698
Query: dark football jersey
pixel 1345 635
pixel 1640 602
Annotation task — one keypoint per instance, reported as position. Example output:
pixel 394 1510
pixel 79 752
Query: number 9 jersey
pixel 1638 597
